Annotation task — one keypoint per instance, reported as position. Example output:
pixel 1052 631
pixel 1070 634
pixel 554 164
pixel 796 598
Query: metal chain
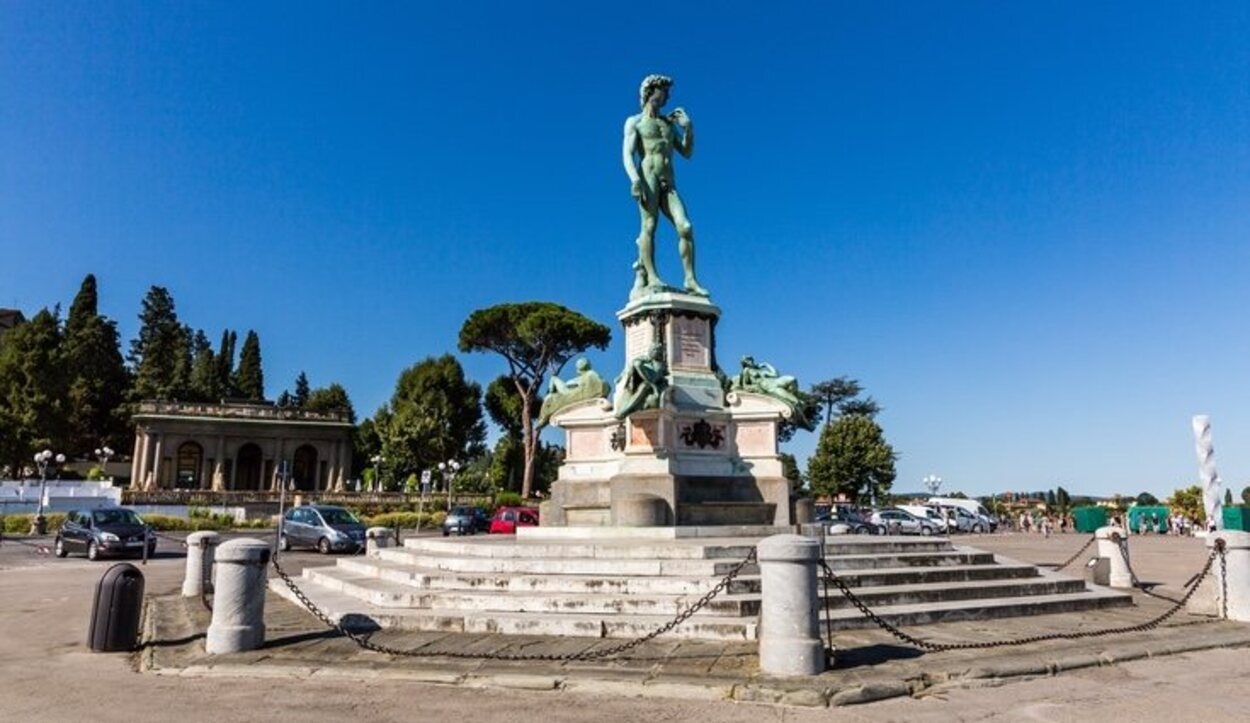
pixel 1072 559
pixel 363 641
pixel 206 573
pixel 1151 624
pixel 1219 545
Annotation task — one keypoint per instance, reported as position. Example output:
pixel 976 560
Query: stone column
pixel 1109 548
pixel 219 465
pixel 239 598
pixel 344 468
pixel 789 634
pixel 200 548
pixel 1210 479
pixel 134 458
pixel 156 462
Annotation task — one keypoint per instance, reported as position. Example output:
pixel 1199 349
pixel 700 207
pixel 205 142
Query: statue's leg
pixel 647 210
pixel 672 207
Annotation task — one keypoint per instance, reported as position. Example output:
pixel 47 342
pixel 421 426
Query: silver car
pixel 328 529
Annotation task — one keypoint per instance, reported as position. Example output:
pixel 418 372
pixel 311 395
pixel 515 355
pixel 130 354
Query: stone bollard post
pixel 200 549
pixel 789 634
pixel 1237 566
pixel 239 601
pixel 1109 548
pixel 804 511
pixel 378 538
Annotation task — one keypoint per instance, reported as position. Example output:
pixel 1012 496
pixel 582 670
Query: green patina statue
pixel 762 378
pixel 560 394
pixel 642 384
pixel 651 136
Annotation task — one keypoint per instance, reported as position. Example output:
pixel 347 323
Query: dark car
pixel 856 523
pixel 466 521
pixel 328 529
pixel 104 532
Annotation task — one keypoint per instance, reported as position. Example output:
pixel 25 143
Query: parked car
pixel 466 521
pixel 901 522
pixel 104 532
pixel 328 529
pixel 507 519
pixel 845 520
pixel 959 519
pixel 974 508
pixel 931 514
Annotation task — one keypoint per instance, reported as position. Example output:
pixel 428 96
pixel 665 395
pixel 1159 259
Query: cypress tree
pixel 156 353
pixel 225 364
pixel 204 379
pixel 249 378
pixel 32 391
pixel 300 398
pixel 97 379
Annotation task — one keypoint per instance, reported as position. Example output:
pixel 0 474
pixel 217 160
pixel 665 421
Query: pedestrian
pixel 1047 524
pixel 1063 525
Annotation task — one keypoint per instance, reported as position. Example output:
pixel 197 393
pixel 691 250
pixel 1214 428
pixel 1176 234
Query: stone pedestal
pixel 1237 570
pixel 709 455
pixel 239 603
pixel 198 573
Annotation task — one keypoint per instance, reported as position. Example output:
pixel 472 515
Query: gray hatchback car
pixel 328 529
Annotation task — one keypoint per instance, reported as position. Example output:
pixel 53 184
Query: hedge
pixel 20 524
pixel 406 520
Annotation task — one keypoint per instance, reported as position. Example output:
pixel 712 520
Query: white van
pixel 974 508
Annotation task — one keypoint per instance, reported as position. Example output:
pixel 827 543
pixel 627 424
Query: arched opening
pixel 189 467
pixel 304 468
pixel 247 468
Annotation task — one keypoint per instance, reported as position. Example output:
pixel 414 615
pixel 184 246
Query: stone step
pixel 501 547
pixel 983 609
pixel 435 580
pixel 560 566
pixel 432 579
pixel 910 559
pixel 357 614
pixel 942 592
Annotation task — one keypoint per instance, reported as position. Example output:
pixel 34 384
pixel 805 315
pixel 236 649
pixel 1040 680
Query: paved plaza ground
pixel 47 674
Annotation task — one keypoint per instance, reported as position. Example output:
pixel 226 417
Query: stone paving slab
pixel 870 664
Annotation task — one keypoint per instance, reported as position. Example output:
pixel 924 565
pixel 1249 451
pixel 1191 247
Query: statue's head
pixel 583 365
pixel 748 362
pixel 653 85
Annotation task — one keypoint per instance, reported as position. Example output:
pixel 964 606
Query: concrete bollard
pixel 804 511
pixel 378 538
pixel 789 634
pixel 200 548
pixel 239 601
pixel 1237 564
pixel 1108 547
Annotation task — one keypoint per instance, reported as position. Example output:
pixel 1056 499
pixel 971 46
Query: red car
pixel 507 519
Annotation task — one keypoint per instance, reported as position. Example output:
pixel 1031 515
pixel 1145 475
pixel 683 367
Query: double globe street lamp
pixel 44 460
pixel 449 470
pixel 104 454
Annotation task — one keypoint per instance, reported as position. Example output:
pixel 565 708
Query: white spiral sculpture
pixel 1210 479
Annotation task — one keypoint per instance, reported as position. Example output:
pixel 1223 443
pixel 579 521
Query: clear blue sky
pixel 1025 229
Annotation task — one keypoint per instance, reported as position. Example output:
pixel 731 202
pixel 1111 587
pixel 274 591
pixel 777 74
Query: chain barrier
pixel 363 641
pixel 1151 624
pixel 1072 559
pixel 39 548
pixel 206 573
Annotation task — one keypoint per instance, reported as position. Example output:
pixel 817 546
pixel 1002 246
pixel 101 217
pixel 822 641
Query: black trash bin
pixel 116 610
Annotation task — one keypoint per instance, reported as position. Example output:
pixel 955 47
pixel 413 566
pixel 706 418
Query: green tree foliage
pixel 841 396
pixel 225 364
pixel 1064 500
pixel 790 470
pixel 97 380
pixel 300 397
pixel 1228 497
pixel 366 443
pixel 249 378
pixel 1245 495
pixel 1188 501
pixel 852 458
pixel 325 400
pixel 536 339
pixel 434 415
pixel 156 354
pixel 33 390
pixel 205 385
pixel 1052 500
pixel 1146 499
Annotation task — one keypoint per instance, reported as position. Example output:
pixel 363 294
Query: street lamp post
pixel 44 459
pixel 104 454
pixel 932 483
pixel 377 461
pixel 449 470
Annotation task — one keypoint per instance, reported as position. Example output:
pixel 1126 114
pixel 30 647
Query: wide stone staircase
pixel 623 588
